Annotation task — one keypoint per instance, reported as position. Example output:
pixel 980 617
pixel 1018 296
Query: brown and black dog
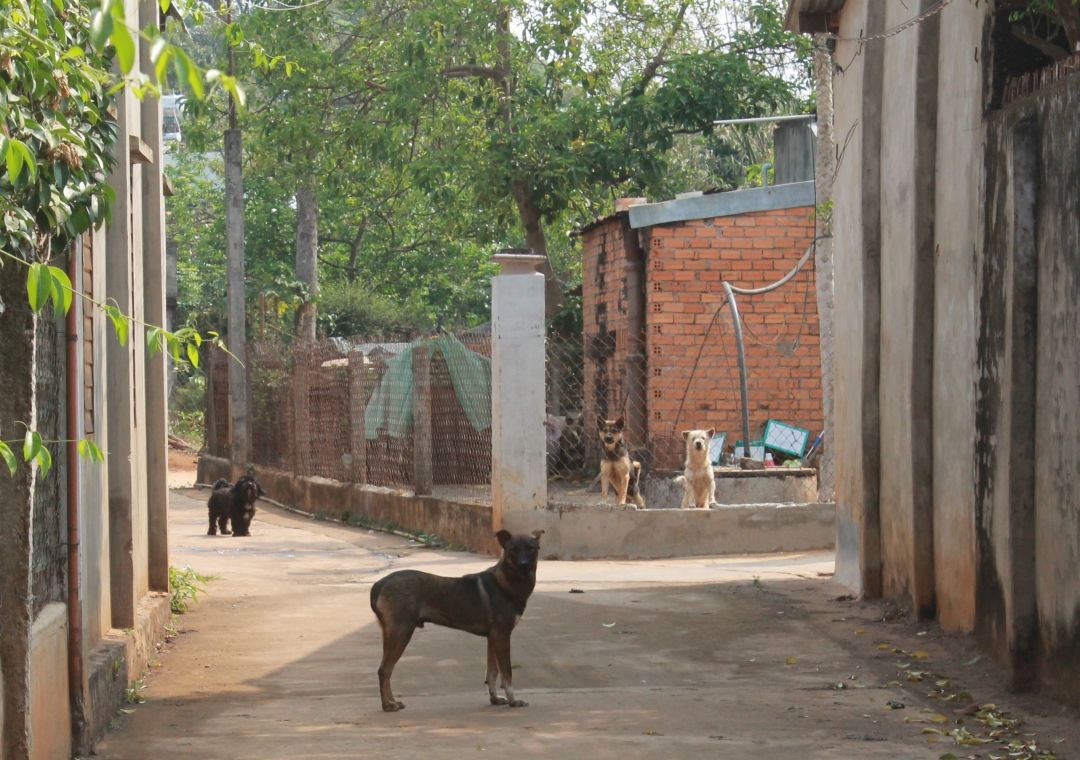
pixel 488 604
pixel 616 467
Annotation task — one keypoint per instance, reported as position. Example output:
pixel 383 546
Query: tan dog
pixel 698 480
pixel 616 467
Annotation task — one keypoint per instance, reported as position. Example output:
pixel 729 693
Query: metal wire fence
pixel 48 554
pixel 409 415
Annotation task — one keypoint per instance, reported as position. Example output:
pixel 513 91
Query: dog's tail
pixel 222 483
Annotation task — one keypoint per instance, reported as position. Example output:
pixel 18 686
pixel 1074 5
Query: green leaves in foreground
pixel 44 282
pixel 35 450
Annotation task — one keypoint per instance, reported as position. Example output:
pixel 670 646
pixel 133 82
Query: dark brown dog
pixel 234 503
pixel 488 604
pixel 616 467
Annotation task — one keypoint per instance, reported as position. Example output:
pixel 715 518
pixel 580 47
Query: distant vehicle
pixel 172 115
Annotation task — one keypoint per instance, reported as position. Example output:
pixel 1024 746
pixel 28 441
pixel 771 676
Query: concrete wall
pixel 627 533
pixel 1028 502
pixel 979 219
pixel 774 485
pixel 50 714
pixel 570 532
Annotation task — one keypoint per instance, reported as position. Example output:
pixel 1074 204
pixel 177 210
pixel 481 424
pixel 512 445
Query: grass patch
pixel 184 588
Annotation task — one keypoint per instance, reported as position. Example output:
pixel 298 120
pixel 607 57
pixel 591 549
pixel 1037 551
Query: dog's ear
pixel 537 533
pixel 600 422
pixel 709 433
pixel 619 423
pixel 503 536
pixel 686 435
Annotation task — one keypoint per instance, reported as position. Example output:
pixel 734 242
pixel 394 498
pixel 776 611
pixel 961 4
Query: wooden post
pixel 421 401
pixel 358 398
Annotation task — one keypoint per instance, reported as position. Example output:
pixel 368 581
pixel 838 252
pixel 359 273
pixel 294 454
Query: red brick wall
pixel 686 263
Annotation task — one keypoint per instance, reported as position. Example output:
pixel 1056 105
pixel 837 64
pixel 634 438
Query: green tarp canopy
pixel 390 407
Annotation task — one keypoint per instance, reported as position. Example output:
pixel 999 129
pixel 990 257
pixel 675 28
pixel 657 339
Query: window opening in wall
pixel 1029 35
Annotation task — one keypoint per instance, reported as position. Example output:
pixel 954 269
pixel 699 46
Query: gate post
pixel 518 443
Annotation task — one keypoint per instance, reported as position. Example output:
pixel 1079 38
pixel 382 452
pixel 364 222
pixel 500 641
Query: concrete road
pixel 720 657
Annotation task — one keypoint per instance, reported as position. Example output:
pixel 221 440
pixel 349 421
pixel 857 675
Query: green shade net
pixel 390 407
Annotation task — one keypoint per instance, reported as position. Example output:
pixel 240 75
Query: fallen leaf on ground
pixel 921 655
pixel 790 661
pixel 608 625
pixel 860 630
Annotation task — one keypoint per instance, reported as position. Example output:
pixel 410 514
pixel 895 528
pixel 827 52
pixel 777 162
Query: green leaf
pixel 101 26
pixel 31 445
pixel 61 289
pixel 89 450
pixel 25 157
pixel 14 160
pixel 174 346
pixel 165 5
pixel 193 354
pixel 9 457
pixel 153 340
pixel 125 48
pixel 120 323
pixel 38 286
pixel 44 460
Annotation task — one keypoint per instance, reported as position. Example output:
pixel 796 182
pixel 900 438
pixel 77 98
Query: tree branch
pixel 658 60
pixel 1070 19
pixel 465 72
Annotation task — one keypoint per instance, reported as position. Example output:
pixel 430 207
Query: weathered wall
pixel 909 122
pixel 1028 603
pixel 960 130
pixel 857 93
pixel 50 714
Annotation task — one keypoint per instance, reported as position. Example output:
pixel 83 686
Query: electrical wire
pixel 931 11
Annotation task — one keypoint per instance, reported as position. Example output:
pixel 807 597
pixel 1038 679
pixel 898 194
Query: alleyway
pixel 732 658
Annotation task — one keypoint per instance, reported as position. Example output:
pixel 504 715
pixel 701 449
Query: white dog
pixel 698 481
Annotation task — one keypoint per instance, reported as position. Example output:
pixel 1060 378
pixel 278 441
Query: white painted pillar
pixel 518 445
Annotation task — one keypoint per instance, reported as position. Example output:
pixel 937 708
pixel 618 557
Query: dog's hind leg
pixel 223 524
pixel 493 674
pixel 394 642
pixel 213 525
pixel 502 656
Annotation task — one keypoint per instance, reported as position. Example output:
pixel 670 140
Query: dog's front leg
pixel 493 674
pixel 604 482
pixel 502 655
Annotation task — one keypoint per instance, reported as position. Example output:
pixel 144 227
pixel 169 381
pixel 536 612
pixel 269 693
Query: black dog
pixel 233 502
pixel 488 604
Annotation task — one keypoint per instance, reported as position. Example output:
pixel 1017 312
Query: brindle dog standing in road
pixel 616 467
pixel 485 604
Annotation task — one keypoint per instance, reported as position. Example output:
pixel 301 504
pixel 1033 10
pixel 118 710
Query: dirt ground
pixel 182 468
pixel 757 657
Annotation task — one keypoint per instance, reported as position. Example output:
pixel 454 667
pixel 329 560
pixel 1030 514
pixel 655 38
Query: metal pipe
pixel 764 119
pixel 74 580
pixel 765 173
pixel 742 370
pixel 782 280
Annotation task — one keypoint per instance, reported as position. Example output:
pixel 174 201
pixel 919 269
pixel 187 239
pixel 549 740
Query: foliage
pixel 349 308
pixel 184 588
pixel 437 132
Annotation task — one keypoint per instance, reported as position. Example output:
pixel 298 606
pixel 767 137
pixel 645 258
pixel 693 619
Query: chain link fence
pixel 413 416
pixel 48 557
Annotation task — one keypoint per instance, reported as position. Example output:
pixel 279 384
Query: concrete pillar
pixel 301 409
pixel 156 429
pixel 518 443
pixel 121 448
pixel 637 414
pixel 421 399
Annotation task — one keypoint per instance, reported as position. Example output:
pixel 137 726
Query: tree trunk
pixel 307 257
pixel 1070 19
pixel 825 168
pixel 536 240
